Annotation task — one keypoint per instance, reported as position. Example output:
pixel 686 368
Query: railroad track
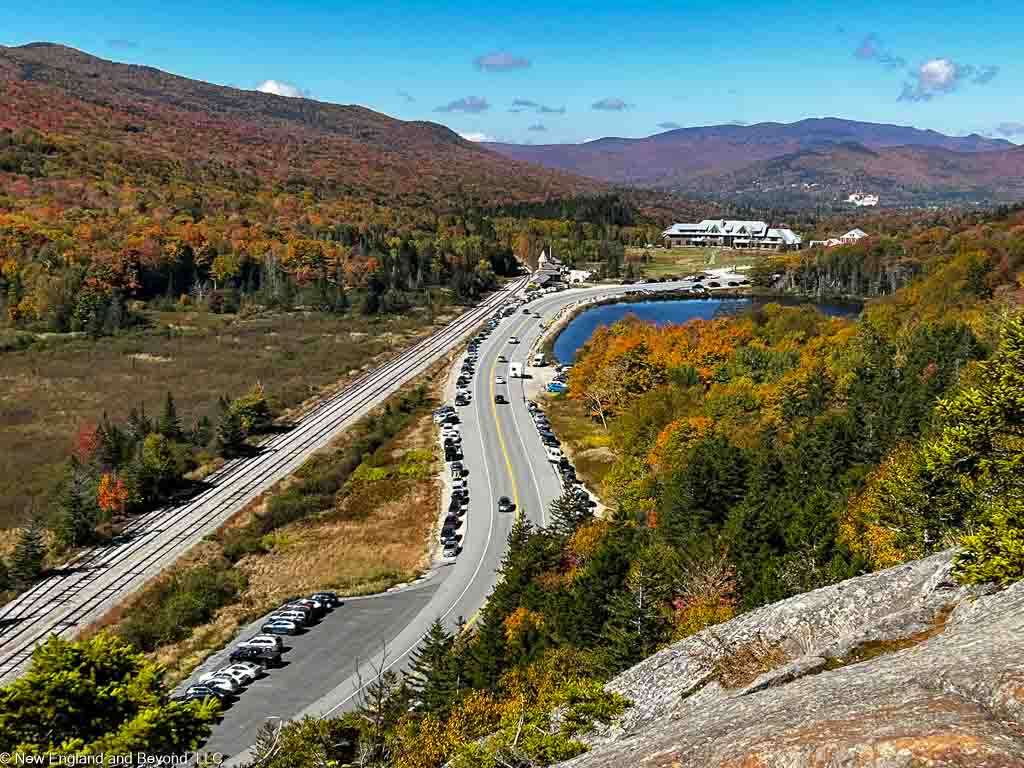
pixel 97 577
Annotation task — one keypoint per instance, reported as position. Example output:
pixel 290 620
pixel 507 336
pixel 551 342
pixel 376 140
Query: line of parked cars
pixel 551 444
pixel 251 658
pixel 451 434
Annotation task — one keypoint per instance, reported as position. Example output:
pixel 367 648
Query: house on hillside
pixel 848 239
pixel 731 233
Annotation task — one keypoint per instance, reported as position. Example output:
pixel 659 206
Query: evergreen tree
pixel 169 425
pixel 77 510
pixel 112 444
pixel 568 512
pixel 139 425
pixel 230 435
pixel 5 576
pixel 433 674
pixel 27 558
pixel 202 432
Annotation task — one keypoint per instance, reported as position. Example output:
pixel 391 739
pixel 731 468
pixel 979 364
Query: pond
pixel 582 327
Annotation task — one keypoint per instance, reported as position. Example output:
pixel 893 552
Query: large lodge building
pixel 730 233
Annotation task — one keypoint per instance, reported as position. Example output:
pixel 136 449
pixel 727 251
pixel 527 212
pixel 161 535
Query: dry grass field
pixel 48 389
pixel 659 262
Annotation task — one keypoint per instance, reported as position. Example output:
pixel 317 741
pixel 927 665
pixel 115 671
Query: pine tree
pixel 76 524
pixel 169 425
pixel 27 558
pixel 5 576
pixel 230 434
pixel 139 425
pixel 433 675
pixel 112 443
pixel 568 512
pixel 202 432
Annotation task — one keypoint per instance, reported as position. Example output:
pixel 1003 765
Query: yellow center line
pixel 508 467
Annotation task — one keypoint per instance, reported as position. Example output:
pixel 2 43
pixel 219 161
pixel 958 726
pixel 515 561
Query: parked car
pixel 204 692
pixel 448 534
pixel 452 521
pixel 451 550
pixel 280 627
pixel 259 654
pixel 263 641
pixel 255 670
pixel 553 454
pixel 505 504
pixel 224 684
pixel 499 379
pixel 299 617
pixel 239 678
pixel 456 469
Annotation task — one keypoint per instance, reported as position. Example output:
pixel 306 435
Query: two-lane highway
pixel 99 577
pixel 505 457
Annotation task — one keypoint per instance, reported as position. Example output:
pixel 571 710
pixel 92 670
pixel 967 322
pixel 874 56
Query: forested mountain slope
pixel 803 163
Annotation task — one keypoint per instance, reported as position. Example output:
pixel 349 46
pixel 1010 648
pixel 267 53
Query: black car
pixel 500 399
pixel 268 657
pixel 505 504
pixel 451 418
pixel 200 692
pixel 448 534
pixel 461 400
pixel 452 521
pixel 327 598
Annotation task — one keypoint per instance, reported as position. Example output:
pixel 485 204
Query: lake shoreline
pixel 573 335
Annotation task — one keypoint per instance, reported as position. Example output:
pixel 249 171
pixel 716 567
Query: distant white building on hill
pixel 732 233
pixel 861 200
pixel 848 239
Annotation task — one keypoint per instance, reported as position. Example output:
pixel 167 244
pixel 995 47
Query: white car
pixel 554 454
pixel 458 484
pixel 499 379
pixel 264 641
pixel 236 676
pixel 513 339
pixel 254 671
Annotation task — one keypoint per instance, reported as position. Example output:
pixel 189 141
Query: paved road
pixel 505 457
pixel 98 578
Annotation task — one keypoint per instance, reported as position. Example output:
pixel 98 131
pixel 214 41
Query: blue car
pixel 557 386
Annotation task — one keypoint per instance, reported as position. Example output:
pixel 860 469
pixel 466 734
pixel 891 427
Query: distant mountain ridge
pixel 154 114
pixel 726 160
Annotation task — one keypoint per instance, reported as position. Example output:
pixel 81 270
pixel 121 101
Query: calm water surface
pixel 579 331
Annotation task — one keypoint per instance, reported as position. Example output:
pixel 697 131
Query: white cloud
pixel 937 75
pixel 475 136
pixel 281 88
pixel 941 75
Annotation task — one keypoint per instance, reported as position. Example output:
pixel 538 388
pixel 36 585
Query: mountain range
pixel 805 161
pixel 148 117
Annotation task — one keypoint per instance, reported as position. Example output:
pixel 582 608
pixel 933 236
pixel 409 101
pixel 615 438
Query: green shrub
pixel 168 610
pixel 995 553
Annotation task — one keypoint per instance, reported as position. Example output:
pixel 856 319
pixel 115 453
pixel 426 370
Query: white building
pixel 860 199
pixel 731 233
pixel 580 275
pixel 853 236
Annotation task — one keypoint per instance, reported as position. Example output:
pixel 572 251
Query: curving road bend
pixel 97 578
pixel 326 667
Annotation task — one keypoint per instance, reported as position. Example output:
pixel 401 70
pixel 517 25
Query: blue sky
pixel 546 72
